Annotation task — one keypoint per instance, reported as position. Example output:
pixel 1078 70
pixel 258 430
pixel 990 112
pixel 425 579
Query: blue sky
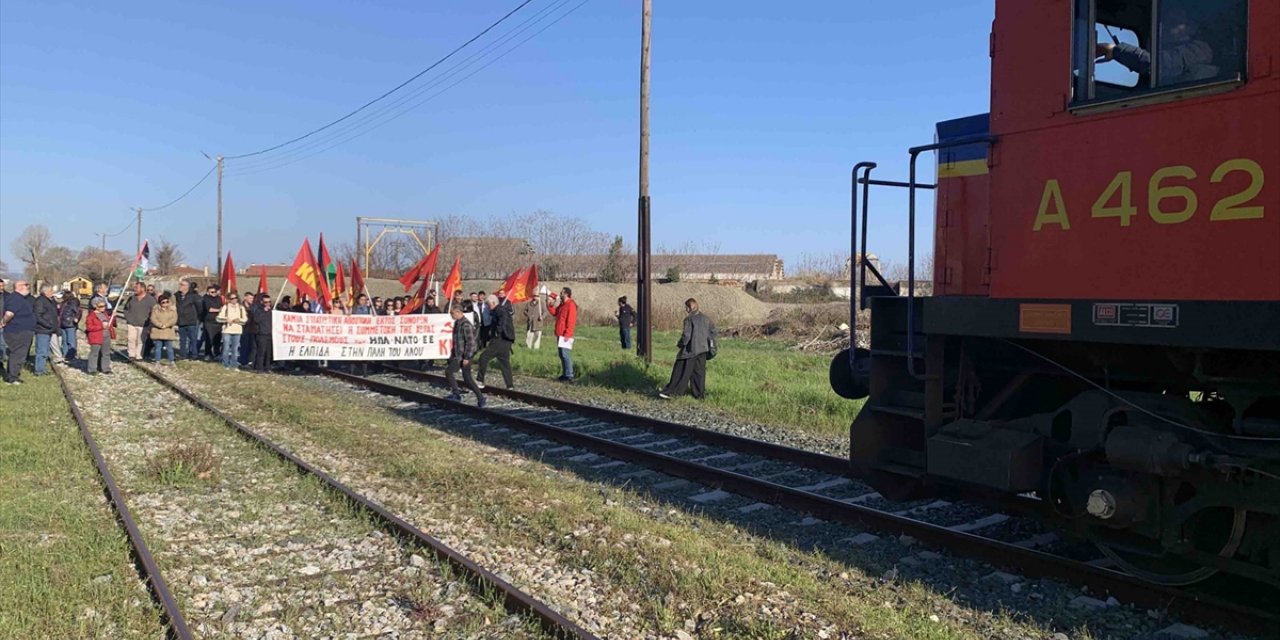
pixel 759 109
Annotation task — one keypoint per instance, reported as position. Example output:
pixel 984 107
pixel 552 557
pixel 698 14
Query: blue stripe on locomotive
pixel 965 160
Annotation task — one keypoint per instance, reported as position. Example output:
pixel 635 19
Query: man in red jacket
pixel 566 312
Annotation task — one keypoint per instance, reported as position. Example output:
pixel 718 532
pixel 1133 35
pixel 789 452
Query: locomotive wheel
pixel 1220 529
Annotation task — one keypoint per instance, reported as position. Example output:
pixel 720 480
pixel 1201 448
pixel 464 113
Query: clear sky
pixel 759 109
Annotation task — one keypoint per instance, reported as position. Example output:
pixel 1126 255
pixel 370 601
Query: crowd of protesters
pixel 235 332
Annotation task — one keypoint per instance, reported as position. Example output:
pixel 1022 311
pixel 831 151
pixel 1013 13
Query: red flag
pixel 262 278
pixel 511 280
pixel 418 298
pixel 357 280
pixel 304 274
pixel 525 287
pixel 422 270
pixel 340 286
pixel 227 282
pixel 326 275
pixel 453 283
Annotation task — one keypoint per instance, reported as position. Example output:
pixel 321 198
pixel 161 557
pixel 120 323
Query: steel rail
pixel 150 572
pixel 833 465
pixel 825 463
pixel 1023 560
pixel 515 600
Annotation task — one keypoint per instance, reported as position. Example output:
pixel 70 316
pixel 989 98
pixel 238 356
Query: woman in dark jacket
pixel 69 314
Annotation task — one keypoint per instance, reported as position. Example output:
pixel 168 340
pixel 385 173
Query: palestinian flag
pixel 328 273
pixel 304 275
pixel 143 261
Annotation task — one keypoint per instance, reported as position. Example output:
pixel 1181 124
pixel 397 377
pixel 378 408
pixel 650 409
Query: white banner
pixel 315 336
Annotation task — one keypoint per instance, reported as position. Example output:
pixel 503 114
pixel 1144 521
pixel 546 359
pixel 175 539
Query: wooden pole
pixel 644 337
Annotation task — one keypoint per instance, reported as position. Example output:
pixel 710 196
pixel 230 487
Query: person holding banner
pixel 464 347
pixel 501 341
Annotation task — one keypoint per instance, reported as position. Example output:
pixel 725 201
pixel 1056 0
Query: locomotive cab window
pixel 1126 49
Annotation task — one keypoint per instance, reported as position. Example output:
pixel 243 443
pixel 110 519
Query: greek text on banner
pixel 313 336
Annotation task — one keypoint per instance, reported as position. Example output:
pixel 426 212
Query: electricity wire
pixel 382 110
pixel 370 122
pixel 185 194
pixel 387 93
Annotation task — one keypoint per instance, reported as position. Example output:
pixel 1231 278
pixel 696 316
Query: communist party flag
pixel 303 274
pixel 326 275
pixel 422 270
pixel 418 298
pixel 357 280
pixel 340 286
pixel 454 281
pixel 262 278
pixel 510 282
pixel 524 287
pixel 227 281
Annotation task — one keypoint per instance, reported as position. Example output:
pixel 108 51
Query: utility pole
pixel 102 259
pixel 219 263
pixel 644 284
pixel 138 250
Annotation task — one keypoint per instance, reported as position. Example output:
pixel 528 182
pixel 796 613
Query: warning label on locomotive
pixel 1135 314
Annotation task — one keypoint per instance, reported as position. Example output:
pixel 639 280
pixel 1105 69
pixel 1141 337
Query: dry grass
pixel 181 464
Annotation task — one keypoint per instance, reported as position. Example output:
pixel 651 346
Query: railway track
pixel 280 547
pixel 807 482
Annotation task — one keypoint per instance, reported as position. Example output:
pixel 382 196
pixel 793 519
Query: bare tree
pixel 830 266
pixel 4 268
pixel 167 257
pixel 32 248
pixel 106 266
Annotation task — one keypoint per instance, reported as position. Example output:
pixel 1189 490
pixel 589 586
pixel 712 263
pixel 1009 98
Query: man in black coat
pixel 626 317
pixel 697 343
pixel 502 338
pixel 47 324
pixel 19 324
pixel 210 305
pixel 190 309
pixel 260 316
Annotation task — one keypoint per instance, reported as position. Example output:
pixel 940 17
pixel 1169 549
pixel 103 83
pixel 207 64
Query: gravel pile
pixel 252 549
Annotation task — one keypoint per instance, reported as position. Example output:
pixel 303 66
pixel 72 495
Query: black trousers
pixel 690 373
pixel 262 353
pixel 501 349
pixel 19 343
pixel 212 339
pixel 451 372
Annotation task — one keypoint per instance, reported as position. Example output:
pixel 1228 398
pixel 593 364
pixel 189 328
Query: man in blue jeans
pixel 190 311
pixel 47 324
pixel 19 324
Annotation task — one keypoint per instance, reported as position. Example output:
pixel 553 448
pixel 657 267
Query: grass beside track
pixel 676 565
pixel 757 380
pixel 65 568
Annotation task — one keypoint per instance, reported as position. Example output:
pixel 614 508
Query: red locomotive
pixel 1103 337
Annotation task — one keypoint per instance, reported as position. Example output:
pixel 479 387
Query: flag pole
pixel 133 268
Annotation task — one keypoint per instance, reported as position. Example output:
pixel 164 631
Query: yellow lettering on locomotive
pixel 1052 195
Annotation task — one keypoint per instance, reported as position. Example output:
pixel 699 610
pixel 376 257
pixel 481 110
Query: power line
pixel 272 165
pixel 525 25
pixel 185 194
pixel 391 91
pixel 126 228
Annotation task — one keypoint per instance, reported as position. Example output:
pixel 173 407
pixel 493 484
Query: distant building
pixel 80 286
pixel 273 270
pixel 729 269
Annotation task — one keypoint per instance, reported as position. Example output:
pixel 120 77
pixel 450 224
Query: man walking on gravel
pixel 697 344
pixel 19 324
pixel 464 347
pixel 137 315
pixel 189 308
pixel 566 312
pixel 501 341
